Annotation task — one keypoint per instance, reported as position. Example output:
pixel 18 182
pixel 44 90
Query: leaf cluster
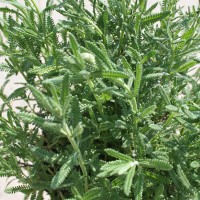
pixel 110 109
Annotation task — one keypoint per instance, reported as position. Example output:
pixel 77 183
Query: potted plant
pixel 110 111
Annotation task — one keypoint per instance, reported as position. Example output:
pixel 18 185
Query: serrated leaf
pixel 118 155
pixel 148 111
pixel 65 89
pixel 186 124
pixel 44 70
pixel 148 56
pixel 172 108
pixel 40 122
pixel 110 74
pixel 184 67
pixel 106 125
pixel 73 44
pixel 138 190
pixel 159 192
pixel 189 114
pixel 157 164
pixel 129 180
pixel 75 112
pixel 123 169
pixel 156 127
pixel 133 53
pixel 19 92
pixel 154 17
pixel 164 94
pixel 188 33
pixel 19 188
pixel 182 177
pixel 78 130
pixel 47 156
pixel 62 174
pixel 138 79
pixel 40 97
pixel 100 54
pixel 111 168
pixel 93 194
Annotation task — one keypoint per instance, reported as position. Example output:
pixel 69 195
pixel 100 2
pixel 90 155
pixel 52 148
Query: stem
pixel 37 9
pixel 66 131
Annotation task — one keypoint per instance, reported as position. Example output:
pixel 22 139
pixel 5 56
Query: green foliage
pixel 110 111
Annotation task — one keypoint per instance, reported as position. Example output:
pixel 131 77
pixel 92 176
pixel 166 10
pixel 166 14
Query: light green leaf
pixel 164 94
pixel 73 44
pixel 129 180
pixel 155 163
pixel 154 17
pixel 65 89
pixel 138 79
pixel 93 193
pixel 172 108
pixel 183 178
pixel 156 127
pixel 138 190
pixel 110 74
pixel 40 122
pixel 148 111
pixel 118 155
pixel 62 174
pixel 184 67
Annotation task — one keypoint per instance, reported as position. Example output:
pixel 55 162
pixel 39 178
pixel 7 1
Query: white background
pixel 15 79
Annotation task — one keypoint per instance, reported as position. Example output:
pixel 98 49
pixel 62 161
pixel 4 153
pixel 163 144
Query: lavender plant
pixel 110 110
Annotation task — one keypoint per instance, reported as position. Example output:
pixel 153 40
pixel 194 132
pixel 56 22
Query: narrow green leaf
pixel 186 124
pixel 106 125
pixel 138 79
pixel 138 190
pixel 129 180
pixel 62 174
pixel 151 8
pixel 65 89
pixel 184 67
pixel 133 53
pixel 40 97
pixel 78 130
pixel 172 108
pixel 123 169
pixel 55 108
pixel 154 17
pixel 182 177
pixel 73 44
pixel 20 188
pixel 148 111
pixel 100 54
pixel 111 168
pixel 40 122
pixel 189 114
pixel 75 112
pixel 188 33
pixel 47 156
pixel 164 95
pixel 118 155
pixel 156 127
pixel 110 74
pixel 54 92
pixel 155 163
pixel 44 70
pixel 148 56
pixel 159 192
pixel 93 194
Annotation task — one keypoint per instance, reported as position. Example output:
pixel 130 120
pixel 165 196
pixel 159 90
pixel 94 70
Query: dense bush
pixel 110 112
